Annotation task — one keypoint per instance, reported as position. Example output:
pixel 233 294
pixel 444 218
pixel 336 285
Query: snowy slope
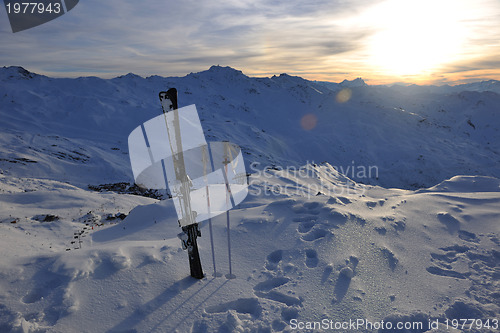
pixel 414 136
pixel 307 244
pixel 363 253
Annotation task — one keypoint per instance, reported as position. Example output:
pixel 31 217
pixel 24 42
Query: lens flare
pixel 344 95
pixel 309 121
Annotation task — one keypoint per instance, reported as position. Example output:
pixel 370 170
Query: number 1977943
pixel 33 7
pixel 472 324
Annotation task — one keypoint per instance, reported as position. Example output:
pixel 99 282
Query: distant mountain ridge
pixel 76 130
pixel 480 86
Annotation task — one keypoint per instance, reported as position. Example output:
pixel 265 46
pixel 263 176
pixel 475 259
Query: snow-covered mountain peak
pixel 290 79
pixel 471 184
pixel 489 85
pixel 223 72
pixel 17 72
pixel 358 82
pixel 129 76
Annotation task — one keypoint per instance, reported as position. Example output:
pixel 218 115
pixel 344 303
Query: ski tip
pixel 170 94
pixel 168 99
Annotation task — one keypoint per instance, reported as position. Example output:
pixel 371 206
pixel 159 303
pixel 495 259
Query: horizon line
pixel 109 75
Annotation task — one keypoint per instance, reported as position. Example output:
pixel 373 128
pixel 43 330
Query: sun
pixel 417 37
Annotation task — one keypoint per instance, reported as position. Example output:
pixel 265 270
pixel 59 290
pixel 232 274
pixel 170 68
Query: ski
pixel 190 229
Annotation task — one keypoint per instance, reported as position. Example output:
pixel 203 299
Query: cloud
pixel 110 38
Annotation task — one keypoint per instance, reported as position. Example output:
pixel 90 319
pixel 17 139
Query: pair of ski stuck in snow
pixel 204 179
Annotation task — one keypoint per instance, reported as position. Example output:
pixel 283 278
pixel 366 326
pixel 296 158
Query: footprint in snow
pixel 445 272
pixel 391 258
pixel 381 230
pixel 276 296
pixel 444 261
pixel 344 200
pixel 468 236
pixel 303 209
pixel 326 273
pixel 343 283
pixel 271 284
pixel 242 305
pixel 311 205
pixel 315 234
pixel 450 222
pixel 311 258
pixel 305 227
pixel 273 259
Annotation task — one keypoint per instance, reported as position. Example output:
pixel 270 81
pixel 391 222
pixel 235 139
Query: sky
pixel 382 41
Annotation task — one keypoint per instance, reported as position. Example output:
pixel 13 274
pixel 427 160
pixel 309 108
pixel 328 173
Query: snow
pixel 315 239
pixel 354 83
pixel 415 136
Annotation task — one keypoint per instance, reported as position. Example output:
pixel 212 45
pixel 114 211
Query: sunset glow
pixel 425 41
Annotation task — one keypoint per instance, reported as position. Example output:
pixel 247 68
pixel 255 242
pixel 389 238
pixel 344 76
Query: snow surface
pixel 75 130
pixel 310 245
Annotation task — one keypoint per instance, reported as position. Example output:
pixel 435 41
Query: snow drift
pixel 312 243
